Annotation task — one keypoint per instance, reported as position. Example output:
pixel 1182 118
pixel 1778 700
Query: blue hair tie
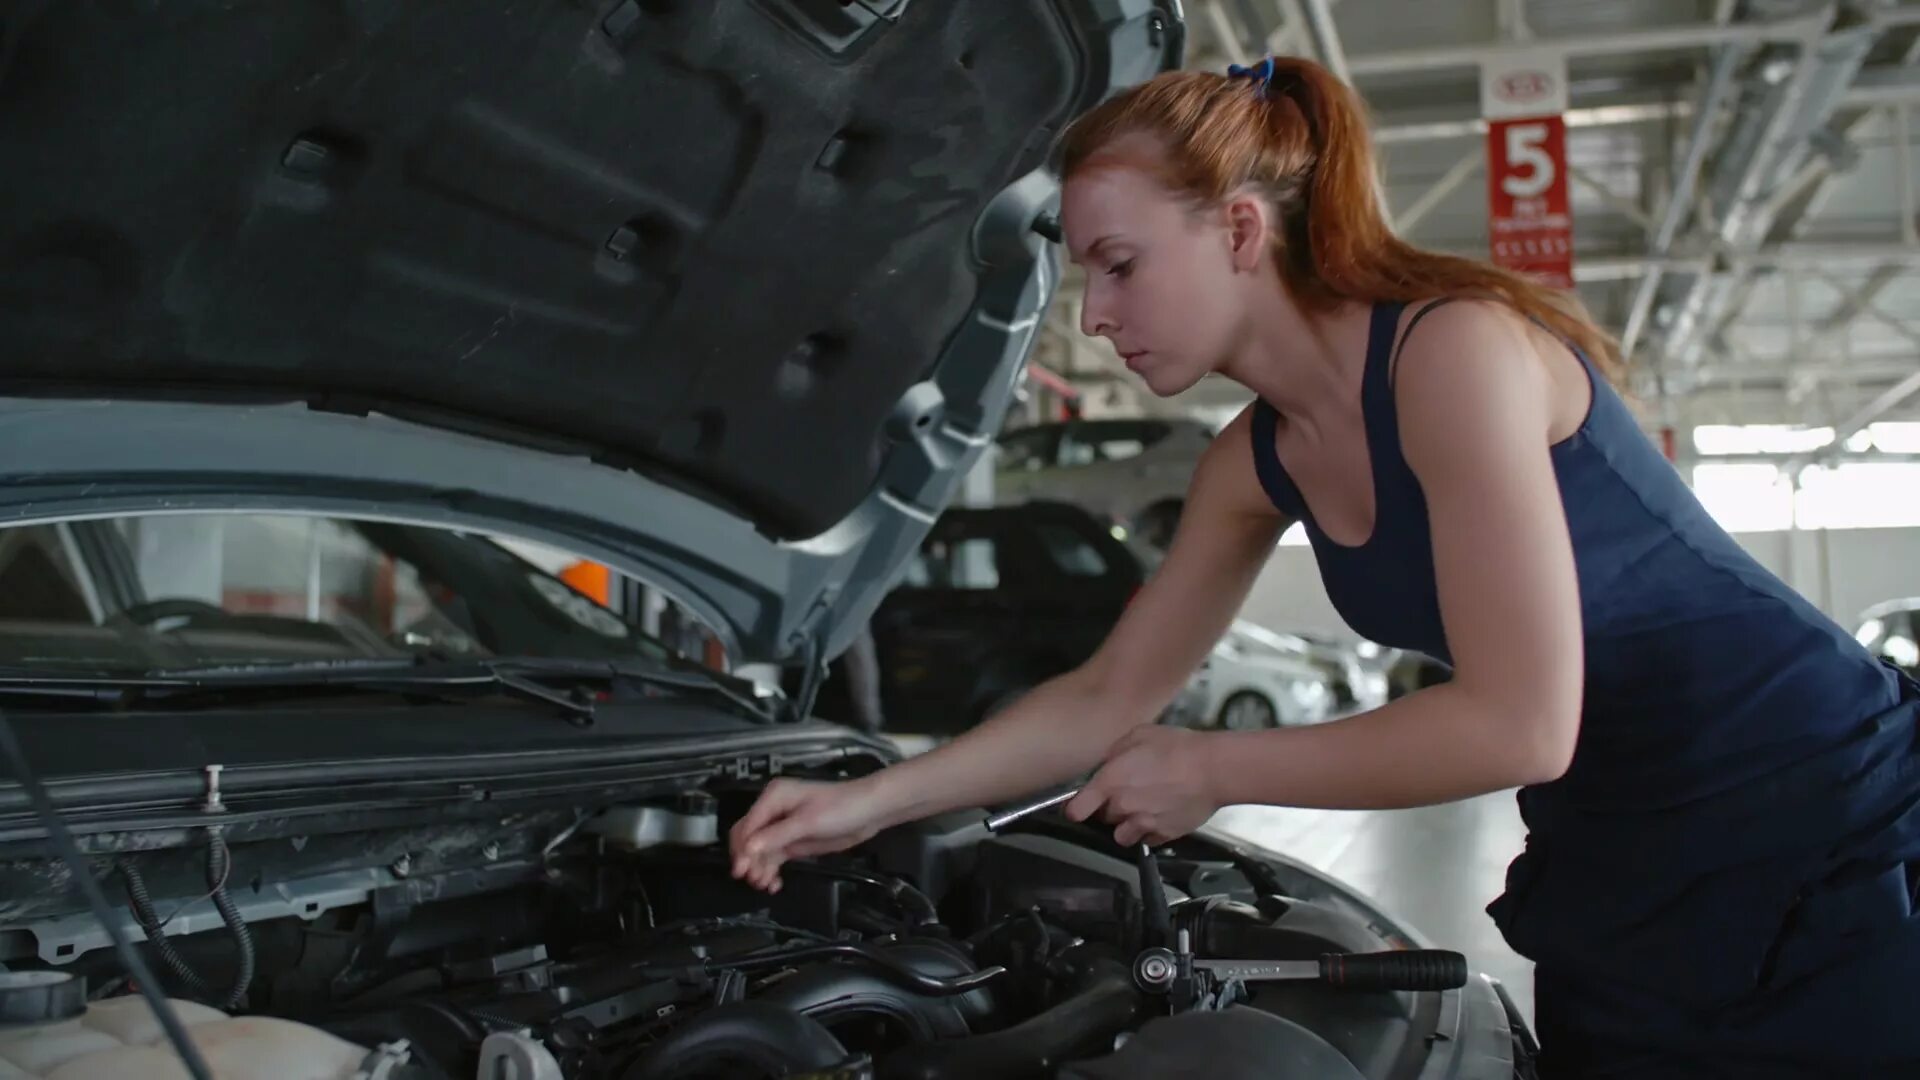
pixel 1261 74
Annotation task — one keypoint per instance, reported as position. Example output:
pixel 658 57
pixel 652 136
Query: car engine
pixel 612 942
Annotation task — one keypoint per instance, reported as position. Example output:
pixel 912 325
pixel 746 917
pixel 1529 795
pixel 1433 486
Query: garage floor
pixel 1435 867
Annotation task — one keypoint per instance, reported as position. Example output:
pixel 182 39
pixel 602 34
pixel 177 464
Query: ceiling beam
pixel 1438 192
pixel 1651 39
pixel 1325 35
pixel 1438 125
pixel 1726 63
pixel 1765 147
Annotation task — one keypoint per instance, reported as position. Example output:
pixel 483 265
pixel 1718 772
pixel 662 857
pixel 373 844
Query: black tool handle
pixel 1396 969
pixel 1156 914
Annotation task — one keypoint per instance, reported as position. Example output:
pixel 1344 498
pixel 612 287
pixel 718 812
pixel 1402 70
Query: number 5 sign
pixel 1529 214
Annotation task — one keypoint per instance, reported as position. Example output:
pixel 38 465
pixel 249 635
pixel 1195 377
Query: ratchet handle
pixel 1395 969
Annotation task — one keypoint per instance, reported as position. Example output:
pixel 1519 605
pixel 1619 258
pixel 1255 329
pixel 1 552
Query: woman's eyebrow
pixel 1095 246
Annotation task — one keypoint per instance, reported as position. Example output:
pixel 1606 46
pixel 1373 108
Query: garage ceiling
pixel 1782 287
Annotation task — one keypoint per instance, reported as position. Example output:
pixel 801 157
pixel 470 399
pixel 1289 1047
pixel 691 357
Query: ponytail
pixel 1291 130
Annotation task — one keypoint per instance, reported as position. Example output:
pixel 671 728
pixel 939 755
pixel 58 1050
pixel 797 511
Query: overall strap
pixel 1383 359
pixel 1266 462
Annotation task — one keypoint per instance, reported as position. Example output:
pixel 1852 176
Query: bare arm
pixel 1063 727
pixel 1475 411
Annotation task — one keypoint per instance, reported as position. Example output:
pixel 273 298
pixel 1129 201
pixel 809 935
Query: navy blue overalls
pixel 1723 883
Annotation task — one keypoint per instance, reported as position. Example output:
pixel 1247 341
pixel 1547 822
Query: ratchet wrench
pixel 999 822
pixel 1187 980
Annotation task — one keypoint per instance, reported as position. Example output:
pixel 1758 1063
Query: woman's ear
pixel 1247 231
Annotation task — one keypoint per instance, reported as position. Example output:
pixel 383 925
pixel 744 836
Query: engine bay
pixel 612 942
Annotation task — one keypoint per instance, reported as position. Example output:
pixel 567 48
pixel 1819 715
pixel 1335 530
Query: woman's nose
pixel 1093 320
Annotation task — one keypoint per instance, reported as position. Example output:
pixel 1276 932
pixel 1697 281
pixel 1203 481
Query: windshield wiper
pixel 527 678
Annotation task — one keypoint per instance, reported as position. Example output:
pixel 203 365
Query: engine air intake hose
pixel 1101 1003
pixel 746 1035
pixel 836 992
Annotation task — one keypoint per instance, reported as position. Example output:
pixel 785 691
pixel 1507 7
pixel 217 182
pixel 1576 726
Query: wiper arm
pixel 400 677
pixel 577 704
pixel 520 676
pixel 696 679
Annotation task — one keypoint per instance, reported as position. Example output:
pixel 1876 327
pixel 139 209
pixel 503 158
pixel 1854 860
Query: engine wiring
pixel 219 870
pixel 83 879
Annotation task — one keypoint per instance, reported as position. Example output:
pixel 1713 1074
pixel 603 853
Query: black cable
pixel 219 864
pixel 97 901
pixel 155 929
pixel 219 869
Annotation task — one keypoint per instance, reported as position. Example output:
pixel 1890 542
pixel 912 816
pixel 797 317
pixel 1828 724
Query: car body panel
pixel 468 240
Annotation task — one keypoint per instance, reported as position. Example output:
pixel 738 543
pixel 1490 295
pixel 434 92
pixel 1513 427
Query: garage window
pixel 1759 498
pixel 1745 498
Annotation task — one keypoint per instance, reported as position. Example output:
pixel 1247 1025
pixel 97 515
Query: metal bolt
pixel 213 803
pixel 403 866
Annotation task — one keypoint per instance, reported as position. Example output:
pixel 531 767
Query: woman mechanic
pixel 1719 783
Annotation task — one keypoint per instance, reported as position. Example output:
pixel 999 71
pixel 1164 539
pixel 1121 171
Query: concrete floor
pixel 1435 868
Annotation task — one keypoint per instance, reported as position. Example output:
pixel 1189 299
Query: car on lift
pixel 727 298
pixel 1130 472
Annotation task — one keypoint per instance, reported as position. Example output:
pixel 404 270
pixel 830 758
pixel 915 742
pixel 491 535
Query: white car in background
pixel 1133 472
pixel 1254 679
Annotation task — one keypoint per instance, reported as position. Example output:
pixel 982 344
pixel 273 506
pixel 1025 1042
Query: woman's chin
pixel 1168 382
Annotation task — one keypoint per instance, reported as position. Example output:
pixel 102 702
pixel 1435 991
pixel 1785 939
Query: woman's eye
pixel 1121 269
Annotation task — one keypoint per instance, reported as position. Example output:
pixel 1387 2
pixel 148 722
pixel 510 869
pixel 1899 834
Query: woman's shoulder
pixel 1228 474
pixel 1469 349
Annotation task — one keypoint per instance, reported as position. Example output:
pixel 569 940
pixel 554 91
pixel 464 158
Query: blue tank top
pixel 1730 732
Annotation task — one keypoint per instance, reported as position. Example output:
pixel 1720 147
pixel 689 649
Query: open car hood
pixel 729 296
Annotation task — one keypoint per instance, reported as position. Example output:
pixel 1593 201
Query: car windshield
pixel 170 591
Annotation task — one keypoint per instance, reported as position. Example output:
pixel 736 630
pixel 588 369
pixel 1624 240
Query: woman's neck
pixel 1307 365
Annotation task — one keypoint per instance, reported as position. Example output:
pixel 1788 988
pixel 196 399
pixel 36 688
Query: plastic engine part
pixel 637 827
pixel 119 1037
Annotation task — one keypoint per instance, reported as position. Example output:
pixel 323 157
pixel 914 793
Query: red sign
pixel 1529 214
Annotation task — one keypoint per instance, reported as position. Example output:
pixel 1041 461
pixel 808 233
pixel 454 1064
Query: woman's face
pixel 1162 284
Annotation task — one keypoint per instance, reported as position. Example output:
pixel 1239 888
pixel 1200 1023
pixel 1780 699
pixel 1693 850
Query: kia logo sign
pixel 1523 86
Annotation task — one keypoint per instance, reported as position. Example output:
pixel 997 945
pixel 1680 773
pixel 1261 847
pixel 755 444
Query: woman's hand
pixel 1155 785
pixel 797 818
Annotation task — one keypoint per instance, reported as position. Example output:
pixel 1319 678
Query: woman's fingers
pixel 773 803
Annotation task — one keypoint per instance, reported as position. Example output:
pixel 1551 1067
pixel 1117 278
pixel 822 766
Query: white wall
pixel 1842 571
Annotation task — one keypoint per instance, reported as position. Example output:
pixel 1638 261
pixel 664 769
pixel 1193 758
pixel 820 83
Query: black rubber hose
pixel 63 844
pixel 835 992
pixel 149 921
pixel 219 863
pixel 1102 1003
pixel 218 867
pixel 746 1035
pixel 880 960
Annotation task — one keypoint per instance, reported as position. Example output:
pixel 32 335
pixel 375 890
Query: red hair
pixel 1304 145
